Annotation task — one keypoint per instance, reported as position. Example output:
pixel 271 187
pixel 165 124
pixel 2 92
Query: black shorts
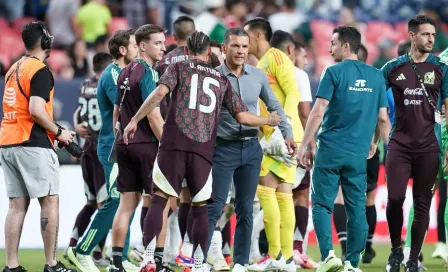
pixel 173 166
pixel 94 177
pixel 373 168
pixel 135 163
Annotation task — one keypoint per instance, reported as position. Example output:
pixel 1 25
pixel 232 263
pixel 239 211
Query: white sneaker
pixel 83 263
pixel 289 266
pixel 441 251
pixel 239 268
pixel 331 263
pixel 349 268
pixel 217 260
pixel 201 268
pixel 267 264
pixel 136 256
pixel 130 267
pixel 103 262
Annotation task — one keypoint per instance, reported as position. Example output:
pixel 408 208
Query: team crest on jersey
pixel 429 78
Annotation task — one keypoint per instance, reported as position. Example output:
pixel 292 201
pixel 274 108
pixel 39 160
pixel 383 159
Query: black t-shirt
pixel 41 85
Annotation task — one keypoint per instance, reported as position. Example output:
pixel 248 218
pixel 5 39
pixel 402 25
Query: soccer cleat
pixel 103 262
pixel 304 261
pixel 217 260
pixel 59 267
pixel 228 259
pixel 267 263
pixel 136 256
pixel 17 269
pixel 411 266
pixel 441 251
pixel 331 263
pixel 349 268
pixel 183 261
pixel 83 263
pixel 113 268
pixel 148 266
pixel 239 268
pixel 129 267
pixel 395 258
pixel 368 256
pixel 289 266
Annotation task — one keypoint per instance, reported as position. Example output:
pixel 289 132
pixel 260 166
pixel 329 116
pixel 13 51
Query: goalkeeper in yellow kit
pixel 277 170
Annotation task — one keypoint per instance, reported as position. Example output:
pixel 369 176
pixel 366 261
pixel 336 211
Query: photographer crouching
pixel 27 155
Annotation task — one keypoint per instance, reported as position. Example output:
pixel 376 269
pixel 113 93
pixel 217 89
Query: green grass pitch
pixel 33 260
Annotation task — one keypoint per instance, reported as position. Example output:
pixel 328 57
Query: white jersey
pixel 303 82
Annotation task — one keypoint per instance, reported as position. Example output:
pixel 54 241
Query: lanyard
pixel 414 67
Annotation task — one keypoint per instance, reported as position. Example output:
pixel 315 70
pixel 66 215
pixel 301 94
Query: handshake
pixel 65 140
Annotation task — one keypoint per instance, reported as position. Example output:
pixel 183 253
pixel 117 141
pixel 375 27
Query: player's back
pixel 198 92
pixel 136 81
pixel 356 92
pixel 89 114
pixel 106 93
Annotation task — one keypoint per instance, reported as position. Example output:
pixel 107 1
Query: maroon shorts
pixel 135 163
pixel 94 178
pixel 305 183
pixel 173 166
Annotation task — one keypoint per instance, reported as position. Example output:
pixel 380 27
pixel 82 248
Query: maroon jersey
pixel 90 112
pixel 198 92
pixel 137 80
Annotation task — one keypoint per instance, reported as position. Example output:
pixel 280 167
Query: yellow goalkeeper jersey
pixel 280 72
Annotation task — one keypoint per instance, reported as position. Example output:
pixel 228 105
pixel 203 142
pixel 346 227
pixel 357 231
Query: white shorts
pixel 300 174
pixel 30 171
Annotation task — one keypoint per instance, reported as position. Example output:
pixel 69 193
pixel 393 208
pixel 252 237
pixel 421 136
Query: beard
pixel 422 49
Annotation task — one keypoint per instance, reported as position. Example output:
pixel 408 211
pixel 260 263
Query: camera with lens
pixel 72 148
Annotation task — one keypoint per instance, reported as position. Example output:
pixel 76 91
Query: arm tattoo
pixel 43 223
pixel 147 107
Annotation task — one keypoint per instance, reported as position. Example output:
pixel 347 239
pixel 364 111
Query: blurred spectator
pixel 387 52
pixel 441 41
pixel 78 56
pixel 61 19
pixel 140 12
pixel 11 9
pixel 216 48
pixel 264 8
pixel 347 18
pixel 288 18
pixel 94 18
pixel 35 8
pixel 237 13
pixel 101 44
pixel 211 21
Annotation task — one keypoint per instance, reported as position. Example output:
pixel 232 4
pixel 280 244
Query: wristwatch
pixel 59 131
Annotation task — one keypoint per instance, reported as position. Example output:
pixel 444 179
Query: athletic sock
pixel 158 256
pixel 287 223
pixel 340 223
pixel 200 227
pixel 409 227
pixel 142 217
pixel 226 235
pixel 269 204
pixel 117 254
pixel 184 209
pixel 81 224
pixel 153 221
pixel 302 215
pixel 371 220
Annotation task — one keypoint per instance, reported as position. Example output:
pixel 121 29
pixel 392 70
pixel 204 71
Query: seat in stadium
pixel 11 43
pixel 5 59
pixel 322 30
pixel 117 23
pixel 322 63
pixel 401 30
pixel 377 30
pixel 3 24
pixel 57 60
pixel 373 52
pixel 18 23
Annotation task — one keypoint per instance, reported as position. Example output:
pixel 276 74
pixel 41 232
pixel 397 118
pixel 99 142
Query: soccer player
pixel 198 92
pixel 351 100
pixel 123 49
pixel 277 177
pixel 419 85
pixel 136 158
pixel 183 27
pixel 87 122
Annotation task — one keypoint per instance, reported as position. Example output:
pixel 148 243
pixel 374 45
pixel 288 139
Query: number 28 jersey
pixel 90 112
pixel 198 92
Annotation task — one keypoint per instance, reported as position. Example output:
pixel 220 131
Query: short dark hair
pixel 32 34
pixel 299 45
pixel 231 3
pixel 170 48
pixel 350 35
pixel 280 38
pixel 260 24
pixel 237 31
pixel 144 32
pixel 120 38
pixel 363 48
pixel 100 61
pixel 214 43
pixel 101 39
pixel 404 47
pixel 291 4
pixel 416 21
pixel 183 27
pixel 198 43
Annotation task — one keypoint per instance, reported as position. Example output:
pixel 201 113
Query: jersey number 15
pixel 207 90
